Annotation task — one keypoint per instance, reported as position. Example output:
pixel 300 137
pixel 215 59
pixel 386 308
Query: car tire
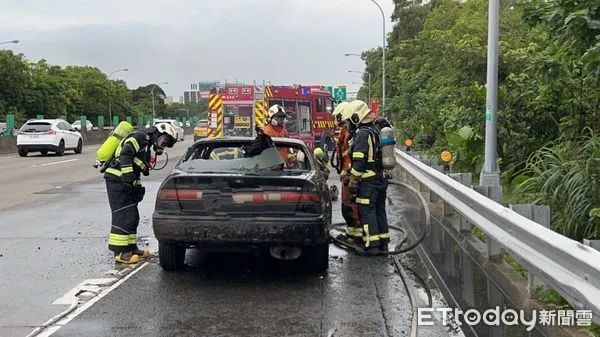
pixel 316 258
pixel 22 153
pixel 61 148
pixel 170 256
pixel 79 148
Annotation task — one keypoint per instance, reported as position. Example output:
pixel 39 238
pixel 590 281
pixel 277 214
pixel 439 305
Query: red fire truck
pixel 309 111
pixel 238 103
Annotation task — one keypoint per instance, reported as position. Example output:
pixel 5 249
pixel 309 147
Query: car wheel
pixel 171 257
pixel 22 153
pixel 316 258
pixel 79 148
pixel 61 148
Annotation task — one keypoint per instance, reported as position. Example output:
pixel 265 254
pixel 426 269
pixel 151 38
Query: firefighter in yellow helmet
pixel 349 207
pixel 366 179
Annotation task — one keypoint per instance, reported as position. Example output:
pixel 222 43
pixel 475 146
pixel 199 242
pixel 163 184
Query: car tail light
pixel 276 197
pixel 179 195
pixel 52 132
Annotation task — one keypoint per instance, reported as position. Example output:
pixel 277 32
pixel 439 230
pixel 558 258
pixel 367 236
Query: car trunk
pixel 35 132
pixel 240 195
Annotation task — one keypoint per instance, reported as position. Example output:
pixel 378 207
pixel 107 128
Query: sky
pixel 184 41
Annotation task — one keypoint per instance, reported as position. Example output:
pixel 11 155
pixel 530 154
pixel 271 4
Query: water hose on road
pixel 155 161
pixel 399 250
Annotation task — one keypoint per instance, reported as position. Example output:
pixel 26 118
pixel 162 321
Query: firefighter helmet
pixel 338 112
pixel 276 110
pixel 318 152
pixel 168 136
pixel 359 112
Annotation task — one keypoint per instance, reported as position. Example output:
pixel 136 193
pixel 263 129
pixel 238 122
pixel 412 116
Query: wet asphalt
pixel 49 248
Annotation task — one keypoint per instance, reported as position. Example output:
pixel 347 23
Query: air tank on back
pixel 387 144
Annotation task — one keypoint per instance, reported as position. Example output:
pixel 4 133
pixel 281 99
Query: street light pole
pixel 490 175
pixel 152 93
pixel 369 76
pixel 11 41
pixel 383 60
pixel 110 97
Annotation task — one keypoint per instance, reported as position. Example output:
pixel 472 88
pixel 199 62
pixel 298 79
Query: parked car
pixel 48 135
pixel 3 128
pixel 77 125
pixel 201 129
pixel 216 199
pixel 177 125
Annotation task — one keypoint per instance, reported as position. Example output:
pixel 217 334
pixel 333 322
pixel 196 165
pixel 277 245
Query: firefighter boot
pixel 142 253
pixel 126 257
pixel 384 246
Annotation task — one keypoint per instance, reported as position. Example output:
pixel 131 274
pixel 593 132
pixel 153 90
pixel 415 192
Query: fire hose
pixel 399 250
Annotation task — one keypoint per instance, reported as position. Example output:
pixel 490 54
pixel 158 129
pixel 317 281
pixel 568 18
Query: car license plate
pixel 34 136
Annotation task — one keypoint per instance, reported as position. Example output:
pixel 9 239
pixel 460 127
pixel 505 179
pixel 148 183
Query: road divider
pixel 8 144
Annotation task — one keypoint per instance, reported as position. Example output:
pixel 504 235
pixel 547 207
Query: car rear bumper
pixel 37 147
pixel 215 231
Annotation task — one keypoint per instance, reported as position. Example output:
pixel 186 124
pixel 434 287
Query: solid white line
pixel 56 326
pixel 57 162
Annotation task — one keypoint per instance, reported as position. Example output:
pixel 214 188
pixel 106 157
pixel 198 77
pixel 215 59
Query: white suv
pixel 48 135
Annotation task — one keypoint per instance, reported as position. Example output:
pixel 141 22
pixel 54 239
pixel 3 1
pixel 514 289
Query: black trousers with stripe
pixel 373 214
pixel 125 216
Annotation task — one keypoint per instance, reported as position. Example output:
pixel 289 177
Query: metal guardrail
pixel 570 267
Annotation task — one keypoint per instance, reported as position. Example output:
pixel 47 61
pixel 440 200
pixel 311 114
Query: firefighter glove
pixel 353 183
pixel 140 192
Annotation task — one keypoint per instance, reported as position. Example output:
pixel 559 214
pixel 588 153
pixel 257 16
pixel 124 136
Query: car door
pixel 70 136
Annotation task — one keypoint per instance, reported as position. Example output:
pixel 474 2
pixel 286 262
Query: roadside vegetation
pixel 548 96
pixel 28 89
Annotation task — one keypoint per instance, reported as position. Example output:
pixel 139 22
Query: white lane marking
pixel 62 322
pixel 56 162
pixel 93 285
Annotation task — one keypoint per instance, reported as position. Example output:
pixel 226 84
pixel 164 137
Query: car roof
pixel 51 121
pixel 248 139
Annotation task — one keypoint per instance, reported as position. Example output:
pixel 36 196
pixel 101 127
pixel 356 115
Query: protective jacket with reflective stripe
pixel 131 157
pixel 366 161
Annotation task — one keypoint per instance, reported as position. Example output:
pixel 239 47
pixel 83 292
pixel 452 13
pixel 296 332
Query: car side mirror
pixel 72 130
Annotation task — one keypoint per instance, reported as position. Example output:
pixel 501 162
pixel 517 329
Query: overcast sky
pixel 185 41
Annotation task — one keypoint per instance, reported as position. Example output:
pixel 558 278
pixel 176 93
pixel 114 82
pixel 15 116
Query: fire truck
pixel 234 111
pixel 238 112
pixel 309 111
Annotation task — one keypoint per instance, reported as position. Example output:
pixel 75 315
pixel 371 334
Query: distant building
pixel 169 100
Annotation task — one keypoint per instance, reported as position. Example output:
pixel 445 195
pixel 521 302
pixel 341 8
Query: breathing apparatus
pixel 276 112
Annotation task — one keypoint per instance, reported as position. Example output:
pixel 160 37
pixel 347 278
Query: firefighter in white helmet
pixel 276 128
pixel 367 180
pixel 125 190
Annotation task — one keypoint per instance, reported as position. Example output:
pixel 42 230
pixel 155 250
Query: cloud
pixel 185 41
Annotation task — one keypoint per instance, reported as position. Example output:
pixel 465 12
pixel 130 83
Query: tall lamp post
pixel 360 72
pixel 490 174
pixel 110 97
pixel 383 59
pixel 11 41
pixel 152 93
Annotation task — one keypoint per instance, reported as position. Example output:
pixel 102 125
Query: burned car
pixel 221 198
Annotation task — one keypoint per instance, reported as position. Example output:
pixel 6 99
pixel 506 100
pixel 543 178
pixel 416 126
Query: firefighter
pixel 276 128
pixel 125 190
pixel 349 207
pixel 366 179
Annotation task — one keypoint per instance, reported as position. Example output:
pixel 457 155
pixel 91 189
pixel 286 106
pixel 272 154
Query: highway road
pixel 54 222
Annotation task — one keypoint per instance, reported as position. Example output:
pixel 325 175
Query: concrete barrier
pixel 8 144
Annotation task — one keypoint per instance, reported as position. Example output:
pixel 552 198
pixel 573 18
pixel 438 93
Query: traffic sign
pixel 339 93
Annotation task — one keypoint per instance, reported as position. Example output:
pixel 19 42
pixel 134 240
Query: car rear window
pixel 36 127
pixel 202 124
pixel 211 157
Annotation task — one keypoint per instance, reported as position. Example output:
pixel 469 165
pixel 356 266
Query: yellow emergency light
pixel 446 156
